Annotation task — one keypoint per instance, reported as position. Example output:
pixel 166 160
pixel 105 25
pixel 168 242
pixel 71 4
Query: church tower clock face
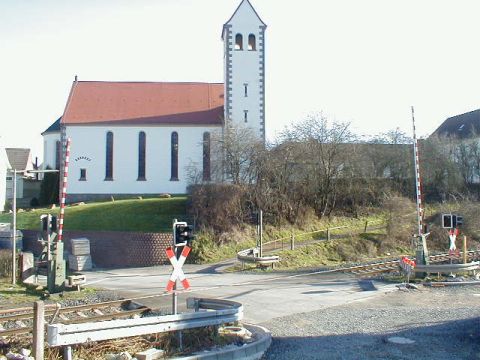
pixel 244 63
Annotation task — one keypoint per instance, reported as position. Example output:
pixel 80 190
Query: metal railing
pixel 252 256
pixel 208 312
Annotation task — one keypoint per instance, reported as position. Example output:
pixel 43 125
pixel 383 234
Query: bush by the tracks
pixel 5 263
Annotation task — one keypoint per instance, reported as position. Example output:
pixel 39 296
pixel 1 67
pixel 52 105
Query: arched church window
pixel 251 42
pixel 174 157
pixel 141 155
pixel 238 42
pixel 109 157
pixel 206 156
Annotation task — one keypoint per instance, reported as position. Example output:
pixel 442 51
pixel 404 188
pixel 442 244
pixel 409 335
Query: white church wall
pixel 50 149
pixel 88 151
pixel 3 176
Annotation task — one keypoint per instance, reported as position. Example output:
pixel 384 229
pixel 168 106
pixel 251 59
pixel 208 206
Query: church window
pixel 238 42
pixel 58 154
pixel 251 43
pixel 174 157
pixel 83 175
pixel 245 115
pixel 109 157
pixel 206 156
pixel 141 155
pixel 245 86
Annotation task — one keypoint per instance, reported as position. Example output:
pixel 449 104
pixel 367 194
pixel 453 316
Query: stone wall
pixel 113 248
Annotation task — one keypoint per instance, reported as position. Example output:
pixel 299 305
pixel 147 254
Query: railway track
pixel 20 320
pixel 392 265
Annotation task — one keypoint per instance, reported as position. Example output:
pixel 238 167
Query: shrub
pixel 218 206
pixel 49 189
pixel 401 221
pixel 5 263
pixel 34 202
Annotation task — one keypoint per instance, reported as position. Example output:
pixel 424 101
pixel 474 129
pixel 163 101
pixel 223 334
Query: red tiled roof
pixel 95 102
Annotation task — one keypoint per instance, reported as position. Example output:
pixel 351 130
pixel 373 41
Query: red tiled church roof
pixel 95 102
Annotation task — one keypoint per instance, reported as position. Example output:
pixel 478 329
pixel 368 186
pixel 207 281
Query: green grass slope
pixel 146 215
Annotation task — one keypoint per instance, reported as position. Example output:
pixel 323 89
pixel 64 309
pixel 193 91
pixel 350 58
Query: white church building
pixel 132 138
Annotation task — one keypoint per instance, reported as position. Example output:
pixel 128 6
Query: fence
pixel 290 240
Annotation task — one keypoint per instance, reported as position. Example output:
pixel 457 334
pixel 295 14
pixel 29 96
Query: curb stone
pixel 250 351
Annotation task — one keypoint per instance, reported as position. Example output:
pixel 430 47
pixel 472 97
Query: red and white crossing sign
pixel 177 264
pixel 407 265
pixel 452 234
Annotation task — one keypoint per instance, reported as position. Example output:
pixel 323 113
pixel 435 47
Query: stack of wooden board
pixel 80 258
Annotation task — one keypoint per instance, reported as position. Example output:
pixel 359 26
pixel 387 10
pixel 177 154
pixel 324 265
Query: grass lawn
pixel 147 215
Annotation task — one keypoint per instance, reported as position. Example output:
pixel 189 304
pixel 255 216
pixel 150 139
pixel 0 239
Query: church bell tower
pixel 244 68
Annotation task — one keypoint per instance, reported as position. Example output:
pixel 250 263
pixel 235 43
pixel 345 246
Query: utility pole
pixel 14 233
pixel 260 221
pixel 14 210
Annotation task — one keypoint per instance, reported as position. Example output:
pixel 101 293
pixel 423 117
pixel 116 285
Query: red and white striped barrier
pixel 418 180
pixel 177 264
pixel 407 264
pixel 64 192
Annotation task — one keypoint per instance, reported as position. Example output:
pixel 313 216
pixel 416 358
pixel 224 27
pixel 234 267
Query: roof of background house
pixel 96 102
pixel 19 158
pixel 461 126
pixel 55 127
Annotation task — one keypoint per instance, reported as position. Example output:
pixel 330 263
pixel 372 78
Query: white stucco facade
pixel 88 151
pixel 3 177
pixel 244 66
pixel 50 149
pixel 242 103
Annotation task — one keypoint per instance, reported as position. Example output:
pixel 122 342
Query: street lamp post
pixel 14 209
pixel 14 237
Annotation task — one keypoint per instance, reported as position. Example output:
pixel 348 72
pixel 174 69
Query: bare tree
pixel 319 159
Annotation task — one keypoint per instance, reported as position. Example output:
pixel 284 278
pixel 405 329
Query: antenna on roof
pixel 76 78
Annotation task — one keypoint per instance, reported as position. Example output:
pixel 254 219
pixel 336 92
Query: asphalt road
pixel 264 295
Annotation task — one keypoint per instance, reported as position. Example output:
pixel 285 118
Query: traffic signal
pixel 451 221
pixel 459 220
pixel 183 233
pixel 447 221
pixel 52 226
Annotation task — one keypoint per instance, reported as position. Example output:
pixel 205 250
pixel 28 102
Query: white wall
pixel 88 151
pixel 3 175
pixel 50 149
pixel 247 67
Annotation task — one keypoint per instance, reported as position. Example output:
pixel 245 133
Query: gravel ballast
pixel 444 323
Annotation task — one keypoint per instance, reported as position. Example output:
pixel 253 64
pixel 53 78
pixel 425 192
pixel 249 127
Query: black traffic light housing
pixel 46 226
pixel 183 233
pixel 451 221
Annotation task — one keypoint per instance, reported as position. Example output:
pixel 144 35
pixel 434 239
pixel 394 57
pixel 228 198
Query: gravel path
pixel 443 322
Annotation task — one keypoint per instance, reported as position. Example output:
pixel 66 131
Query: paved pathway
pixel 265 295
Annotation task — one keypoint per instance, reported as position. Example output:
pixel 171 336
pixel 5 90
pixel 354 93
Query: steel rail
pixel 27 312
pixel 75 309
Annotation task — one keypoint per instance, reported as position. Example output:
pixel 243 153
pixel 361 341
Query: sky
pixel 363 62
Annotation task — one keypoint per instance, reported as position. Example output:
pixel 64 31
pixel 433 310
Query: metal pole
pixel 418 183
pixel 260 220
pixel 38 329
pixel 63 195
pixel 14 238
pixel 174 294
pixel 464 249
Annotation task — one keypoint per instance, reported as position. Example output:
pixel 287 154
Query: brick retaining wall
pixel 113 248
